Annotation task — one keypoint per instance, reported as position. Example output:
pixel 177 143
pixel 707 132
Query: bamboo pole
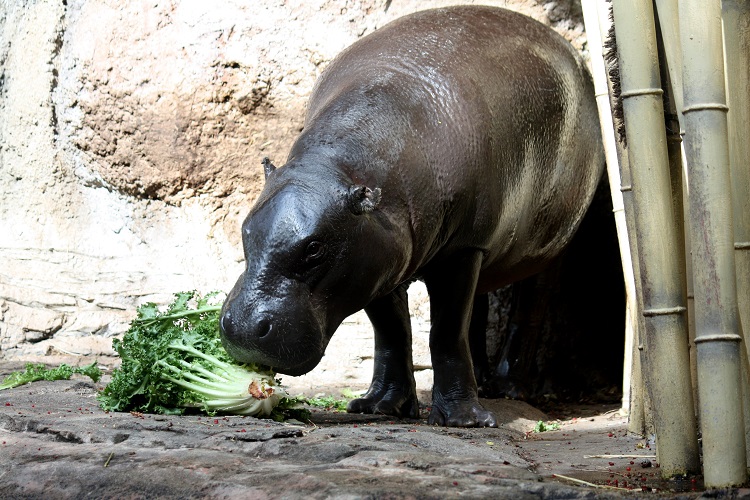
pixel 716 316
pixel 601 90
pixel 640 420
pixel 736 18
pixel 665 336
pixel 669 22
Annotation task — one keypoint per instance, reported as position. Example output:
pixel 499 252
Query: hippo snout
pixel 288 341
pixel 229 329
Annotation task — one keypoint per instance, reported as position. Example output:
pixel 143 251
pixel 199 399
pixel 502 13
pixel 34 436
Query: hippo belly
pixel 459 146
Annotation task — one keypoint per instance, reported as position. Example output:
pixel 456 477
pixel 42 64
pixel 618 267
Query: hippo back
pixel 479 124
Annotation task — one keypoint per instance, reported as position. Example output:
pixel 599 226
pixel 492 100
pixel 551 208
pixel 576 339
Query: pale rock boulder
pixel 131 135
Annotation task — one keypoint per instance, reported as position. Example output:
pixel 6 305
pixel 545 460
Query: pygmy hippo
pixel 459 146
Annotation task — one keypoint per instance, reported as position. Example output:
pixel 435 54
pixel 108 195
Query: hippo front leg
pixel 393 390
pixel 455 401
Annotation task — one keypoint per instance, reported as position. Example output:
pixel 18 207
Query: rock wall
pixel 131 135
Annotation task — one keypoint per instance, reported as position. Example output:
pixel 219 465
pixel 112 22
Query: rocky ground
pixel 57 443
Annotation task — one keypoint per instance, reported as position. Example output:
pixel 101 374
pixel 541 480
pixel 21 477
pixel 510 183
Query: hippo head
pixel 315 253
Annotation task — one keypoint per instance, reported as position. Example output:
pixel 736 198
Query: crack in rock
pixel 254 437
pixel 13 424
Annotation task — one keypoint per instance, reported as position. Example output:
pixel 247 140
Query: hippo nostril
pixel 225 322
pixel 264 328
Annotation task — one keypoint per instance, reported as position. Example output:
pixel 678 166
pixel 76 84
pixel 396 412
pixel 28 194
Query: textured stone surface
pixel 56 443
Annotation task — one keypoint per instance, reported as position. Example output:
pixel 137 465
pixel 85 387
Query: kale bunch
pixel 38 371
pixel 174 360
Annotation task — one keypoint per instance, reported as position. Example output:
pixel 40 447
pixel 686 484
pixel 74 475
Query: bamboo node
pixel 640 92
pixel 742 245
pixel 706 106
pixel 718 337
pixel 626 187
pixel 674 138
pixel 664 311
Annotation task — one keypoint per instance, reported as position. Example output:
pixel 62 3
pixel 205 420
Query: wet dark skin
pixel 458 146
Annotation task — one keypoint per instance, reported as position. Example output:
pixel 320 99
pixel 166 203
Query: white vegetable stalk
pixel 228 389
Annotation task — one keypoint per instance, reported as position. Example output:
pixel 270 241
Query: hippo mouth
pixel 289 365
pixel 284 353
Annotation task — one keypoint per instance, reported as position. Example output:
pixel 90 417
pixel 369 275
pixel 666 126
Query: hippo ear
pixel 268 167
pixel 362 200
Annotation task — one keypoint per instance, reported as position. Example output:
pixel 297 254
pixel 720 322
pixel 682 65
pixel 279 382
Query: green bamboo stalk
pixel 716 315
pixel 736 18
pixel 666 359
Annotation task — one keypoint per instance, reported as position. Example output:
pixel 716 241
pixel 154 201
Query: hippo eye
pixel 314 250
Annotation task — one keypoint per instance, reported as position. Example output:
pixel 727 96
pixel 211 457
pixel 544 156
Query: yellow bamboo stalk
pixel 665 333
pixel 669 24
pixel 736 19
pixel 640 421
pixel 601 89
pixel 716 316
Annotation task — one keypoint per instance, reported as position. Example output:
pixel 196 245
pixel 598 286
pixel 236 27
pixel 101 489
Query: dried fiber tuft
pixel 613 72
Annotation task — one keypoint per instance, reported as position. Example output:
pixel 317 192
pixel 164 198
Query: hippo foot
pixel 464 414
pixel 396 402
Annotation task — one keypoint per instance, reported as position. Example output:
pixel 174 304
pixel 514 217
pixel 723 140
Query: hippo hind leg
pixel 393 390
pixel 455 401
pixel 478 338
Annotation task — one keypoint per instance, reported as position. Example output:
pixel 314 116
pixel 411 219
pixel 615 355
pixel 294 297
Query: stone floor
pixel 56 443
